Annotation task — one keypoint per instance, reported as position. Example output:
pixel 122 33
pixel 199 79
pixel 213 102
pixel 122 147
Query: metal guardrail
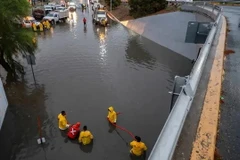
pixel 166 143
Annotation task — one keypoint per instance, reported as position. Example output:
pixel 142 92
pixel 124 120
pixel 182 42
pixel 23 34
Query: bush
pixel 115 3
pixel 139 8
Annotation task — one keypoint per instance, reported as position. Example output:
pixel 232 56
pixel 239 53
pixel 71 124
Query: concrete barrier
pixel 166 143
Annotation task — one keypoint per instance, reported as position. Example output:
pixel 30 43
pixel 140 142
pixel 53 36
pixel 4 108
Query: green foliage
pixel 14 39
pixel 139 8
pixel 115 3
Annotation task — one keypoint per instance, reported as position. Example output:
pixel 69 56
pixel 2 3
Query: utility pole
pixel 111 5
pixel 111 9
pixel 31 61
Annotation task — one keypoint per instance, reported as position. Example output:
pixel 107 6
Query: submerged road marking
pixel 204 144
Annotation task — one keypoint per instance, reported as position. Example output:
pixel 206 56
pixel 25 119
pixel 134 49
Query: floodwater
pixel 228 142
pixel 84 71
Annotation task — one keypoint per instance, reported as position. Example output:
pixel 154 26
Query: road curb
pixel 205 141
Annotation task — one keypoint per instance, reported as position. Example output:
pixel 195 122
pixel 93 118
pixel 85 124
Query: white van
pixel 57 16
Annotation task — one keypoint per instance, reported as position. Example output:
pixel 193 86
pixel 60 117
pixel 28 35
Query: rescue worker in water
pixel 74 130
pixel 112 115
pixel 85 136
pixel 62 121
pixel 138 147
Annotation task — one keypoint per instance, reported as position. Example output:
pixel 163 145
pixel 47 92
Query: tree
pixel 139 8
pixel 14 40
pixel 115 3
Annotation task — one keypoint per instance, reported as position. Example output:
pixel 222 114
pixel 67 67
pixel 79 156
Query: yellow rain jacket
pixel 112 115
pixel 138 148
pixel 41 27
pixel 85 137
pixel 62 122
pixel 48 24
pixel 34 27
pixel 44 24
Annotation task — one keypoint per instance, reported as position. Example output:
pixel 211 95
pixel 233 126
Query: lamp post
pixel 110 5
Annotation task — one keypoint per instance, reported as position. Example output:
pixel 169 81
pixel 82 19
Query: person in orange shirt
pixel 138 147
pixel 85 136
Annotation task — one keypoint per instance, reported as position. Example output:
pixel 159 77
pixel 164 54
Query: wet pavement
pixel 84 71
pixel 228 142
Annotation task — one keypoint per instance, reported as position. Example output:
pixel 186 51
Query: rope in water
pixel 122 128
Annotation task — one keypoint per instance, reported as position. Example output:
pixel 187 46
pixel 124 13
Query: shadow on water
pixel 137 54
pixel 133 157
pixel 19 134
pixel 152 55
pixel 87 148
pixel 111 127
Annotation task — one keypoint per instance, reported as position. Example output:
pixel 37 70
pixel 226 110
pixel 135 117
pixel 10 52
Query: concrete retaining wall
pixel 168 30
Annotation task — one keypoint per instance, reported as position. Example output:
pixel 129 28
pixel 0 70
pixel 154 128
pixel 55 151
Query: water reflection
pixel 73 23
pixel 20 130
pixel 101 34
pixel 72 17
pixel 46 34
pixel 137 55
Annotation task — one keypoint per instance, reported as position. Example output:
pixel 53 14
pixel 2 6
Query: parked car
pixel 97 6
pixel 61 9
pixel 28 21
pixel 55 17
pixel 53 5
pixel 72 6
pixel 48 9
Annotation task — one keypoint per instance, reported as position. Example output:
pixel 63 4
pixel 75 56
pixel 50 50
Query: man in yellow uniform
pixel 85 136
pixel 48 24
pixel 44 24
pixel 62 121
pixel 34 27
pixel 112 115
pixel 138 147
pixel 41 27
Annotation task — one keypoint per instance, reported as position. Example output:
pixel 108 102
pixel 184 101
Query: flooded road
pixel 228 141
pixel 84 71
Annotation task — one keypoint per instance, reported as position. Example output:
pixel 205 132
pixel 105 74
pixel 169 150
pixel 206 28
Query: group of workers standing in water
pixel 85 137
pixel 45 24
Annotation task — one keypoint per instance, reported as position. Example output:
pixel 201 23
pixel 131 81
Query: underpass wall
pixel 168 30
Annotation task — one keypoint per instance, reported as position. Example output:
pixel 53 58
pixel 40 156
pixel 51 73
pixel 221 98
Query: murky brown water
pixel 84 72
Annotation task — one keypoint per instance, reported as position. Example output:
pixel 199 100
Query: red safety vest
pixel 84 20
pixel 73 132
